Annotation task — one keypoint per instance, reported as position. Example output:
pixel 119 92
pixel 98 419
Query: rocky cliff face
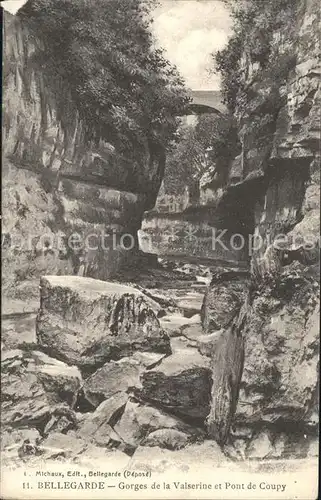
pixel 277 394
pixel 57 183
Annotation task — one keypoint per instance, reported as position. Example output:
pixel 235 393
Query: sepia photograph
pixel 160 249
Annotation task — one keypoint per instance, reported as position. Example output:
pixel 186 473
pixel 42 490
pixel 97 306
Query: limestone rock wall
pixel 58 183
pixel 42 129
pixel 180 237
pixel 276 396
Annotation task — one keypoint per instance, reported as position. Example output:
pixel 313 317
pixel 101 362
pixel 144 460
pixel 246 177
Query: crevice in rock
pixel 193 422
pixel 117 415
pixel 82 404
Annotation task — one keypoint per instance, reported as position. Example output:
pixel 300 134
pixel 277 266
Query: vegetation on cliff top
pixel 210 143
pixel 104 54
pixel 254 43
pixel 255 67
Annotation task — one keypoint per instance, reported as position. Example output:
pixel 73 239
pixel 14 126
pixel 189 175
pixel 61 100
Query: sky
pixel 189 31
pixel 12 5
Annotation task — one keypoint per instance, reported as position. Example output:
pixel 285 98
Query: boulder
pixel 18 329
pixel 180 384
pixel 64 449
pixel 112 378
pixel 261 447
pixel 97 426
pixel 88 322
pixel 34 386
pixel 171 439
pixel 148 359
pixel 139 421
pixel 67 445
pixel 69 448
pixel 173 324
pixel 59 423
pixel 192 332
pixel 164 301
pixel 13 438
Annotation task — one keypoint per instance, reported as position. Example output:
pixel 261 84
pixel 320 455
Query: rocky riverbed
pixel 112 370
pixel 79 379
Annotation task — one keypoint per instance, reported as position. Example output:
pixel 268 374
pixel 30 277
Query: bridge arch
pixel 205 102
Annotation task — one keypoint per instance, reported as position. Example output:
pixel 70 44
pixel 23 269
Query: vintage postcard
pixel 160 249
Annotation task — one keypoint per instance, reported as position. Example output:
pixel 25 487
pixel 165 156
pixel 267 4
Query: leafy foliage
pixel 103 52
pixel 212 142
pixel 219 134
pixel 255 24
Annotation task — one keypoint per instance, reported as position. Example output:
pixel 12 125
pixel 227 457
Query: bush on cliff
pixel 103 52
pixel 211 142
pixel 255 25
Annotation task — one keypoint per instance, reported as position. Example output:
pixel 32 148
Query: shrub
pixel 255 22
pixel 212 142
pixel 103 53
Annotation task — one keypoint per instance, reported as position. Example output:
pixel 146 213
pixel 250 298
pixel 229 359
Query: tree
pixel 255 23
pixel 212 142
pixel 103 52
